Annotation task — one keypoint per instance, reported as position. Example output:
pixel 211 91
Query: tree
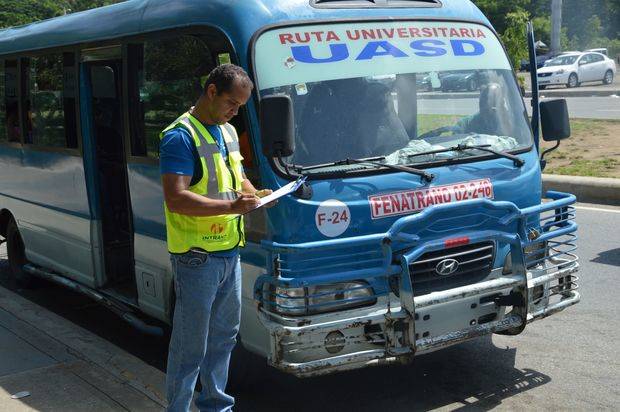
pixel 80 5
pixel 539 8
pixel 515 36
pixel 497 11
pixel 591 36
pixel 576 12
pixel 18 12
pixel 542 29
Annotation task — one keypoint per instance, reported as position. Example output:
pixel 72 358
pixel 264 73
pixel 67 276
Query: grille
pixel 544 74
pixel 474 264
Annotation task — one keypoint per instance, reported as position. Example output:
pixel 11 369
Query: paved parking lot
pixel 566 362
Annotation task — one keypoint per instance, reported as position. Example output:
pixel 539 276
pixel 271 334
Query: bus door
pixel 109 193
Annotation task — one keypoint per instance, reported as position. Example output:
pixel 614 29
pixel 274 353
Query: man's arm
pixel 180 199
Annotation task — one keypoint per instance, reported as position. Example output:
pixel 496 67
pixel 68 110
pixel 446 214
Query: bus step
pixel 123 311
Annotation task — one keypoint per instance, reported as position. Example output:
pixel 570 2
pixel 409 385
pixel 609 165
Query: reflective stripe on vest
pixel 210 233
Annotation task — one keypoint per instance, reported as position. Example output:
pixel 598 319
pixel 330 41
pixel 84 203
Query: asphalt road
pixel 566 362
pixel 578 107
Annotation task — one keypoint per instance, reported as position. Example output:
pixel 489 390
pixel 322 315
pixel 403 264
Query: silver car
pixel 576 68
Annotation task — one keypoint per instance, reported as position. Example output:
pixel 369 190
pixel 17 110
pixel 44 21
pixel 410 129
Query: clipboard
pixel 281 192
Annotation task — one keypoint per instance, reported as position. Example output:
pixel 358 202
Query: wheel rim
pixel 572 80
pixel 608 77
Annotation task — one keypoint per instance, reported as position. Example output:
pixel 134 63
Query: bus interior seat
pixel 350 118
pixel 380 129
pixel 329 122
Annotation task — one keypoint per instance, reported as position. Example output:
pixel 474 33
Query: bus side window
pixel 49 117
pixel 165 79
pixel 10 102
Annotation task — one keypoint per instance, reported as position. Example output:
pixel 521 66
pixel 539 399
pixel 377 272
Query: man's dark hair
pixel 225 75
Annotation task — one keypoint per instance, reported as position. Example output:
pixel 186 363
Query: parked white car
pixel 576 68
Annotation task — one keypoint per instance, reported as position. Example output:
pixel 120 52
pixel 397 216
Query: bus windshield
pixel 393 89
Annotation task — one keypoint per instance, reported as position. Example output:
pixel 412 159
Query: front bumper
pixel 400 326
pixel 554 79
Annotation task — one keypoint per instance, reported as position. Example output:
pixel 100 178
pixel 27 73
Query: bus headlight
pixel 319 299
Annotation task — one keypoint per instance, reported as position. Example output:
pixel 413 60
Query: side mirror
pixel 554 120
pixel 582 62
pixel 277 126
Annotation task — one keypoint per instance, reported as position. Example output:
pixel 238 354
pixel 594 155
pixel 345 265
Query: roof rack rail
pixel 343 4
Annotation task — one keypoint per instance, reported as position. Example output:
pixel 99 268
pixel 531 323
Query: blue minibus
pixel 420 222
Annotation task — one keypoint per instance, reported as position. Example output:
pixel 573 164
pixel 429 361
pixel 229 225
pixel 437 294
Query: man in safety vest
pixel 205 193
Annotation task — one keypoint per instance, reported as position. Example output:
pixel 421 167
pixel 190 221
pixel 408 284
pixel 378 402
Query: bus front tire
pixel 17 256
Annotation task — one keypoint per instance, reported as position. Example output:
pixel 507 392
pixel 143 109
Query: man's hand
pixel 244 203
pixel 266 192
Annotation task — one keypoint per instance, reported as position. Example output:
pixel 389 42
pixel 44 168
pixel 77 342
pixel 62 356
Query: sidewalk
pixel 66 368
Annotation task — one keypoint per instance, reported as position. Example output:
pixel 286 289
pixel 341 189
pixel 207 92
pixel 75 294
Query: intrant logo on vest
pixel 217 232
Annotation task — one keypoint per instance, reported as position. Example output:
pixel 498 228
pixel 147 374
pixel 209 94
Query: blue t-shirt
pixel 178 155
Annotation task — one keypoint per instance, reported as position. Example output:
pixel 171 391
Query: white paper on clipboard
pixel 283 191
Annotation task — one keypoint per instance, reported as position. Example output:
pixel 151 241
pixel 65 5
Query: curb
pixel 86 346
pixel 543 94
pixel 575 93
pixel 602 190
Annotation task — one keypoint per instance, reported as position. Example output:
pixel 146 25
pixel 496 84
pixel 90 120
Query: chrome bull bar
pixel 398 340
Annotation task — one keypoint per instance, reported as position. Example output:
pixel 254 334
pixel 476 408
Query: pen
pixel 235 190
pixel 240 193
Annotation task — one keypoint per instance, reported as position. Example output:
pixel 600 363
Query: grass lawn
pixel 592 150
pixel 428 122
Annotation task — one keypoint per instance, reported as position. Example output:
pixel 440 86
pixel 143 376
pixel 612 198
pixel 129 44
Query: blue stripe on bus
pixel 47 206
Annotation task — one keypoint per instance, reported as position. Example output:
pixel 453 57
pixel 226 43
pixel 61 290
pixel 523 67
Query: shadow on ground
pixel 476 375
pixel 608 257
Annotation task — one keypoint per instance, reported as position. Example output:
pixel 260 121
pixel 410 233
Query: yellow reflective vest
pixel 210 233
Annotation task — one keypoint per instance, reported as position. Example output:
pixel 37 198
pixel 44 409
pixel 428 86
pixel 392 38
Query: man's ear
pixel 211 91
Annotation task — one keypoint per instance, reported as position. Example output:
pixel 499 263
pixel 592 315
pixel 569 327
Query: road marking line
pixel 597 209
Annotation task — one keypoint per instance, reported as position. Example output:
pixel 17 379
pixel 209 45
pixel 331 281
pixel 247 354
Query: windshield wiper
pixel 376 162
pixel 482 147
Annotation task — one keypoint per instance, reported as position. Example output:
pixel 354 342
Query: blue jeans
pixel 206 320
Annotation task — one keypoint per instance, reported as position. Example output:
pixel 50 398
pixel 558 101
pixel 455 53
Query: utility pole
pixel 556 25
